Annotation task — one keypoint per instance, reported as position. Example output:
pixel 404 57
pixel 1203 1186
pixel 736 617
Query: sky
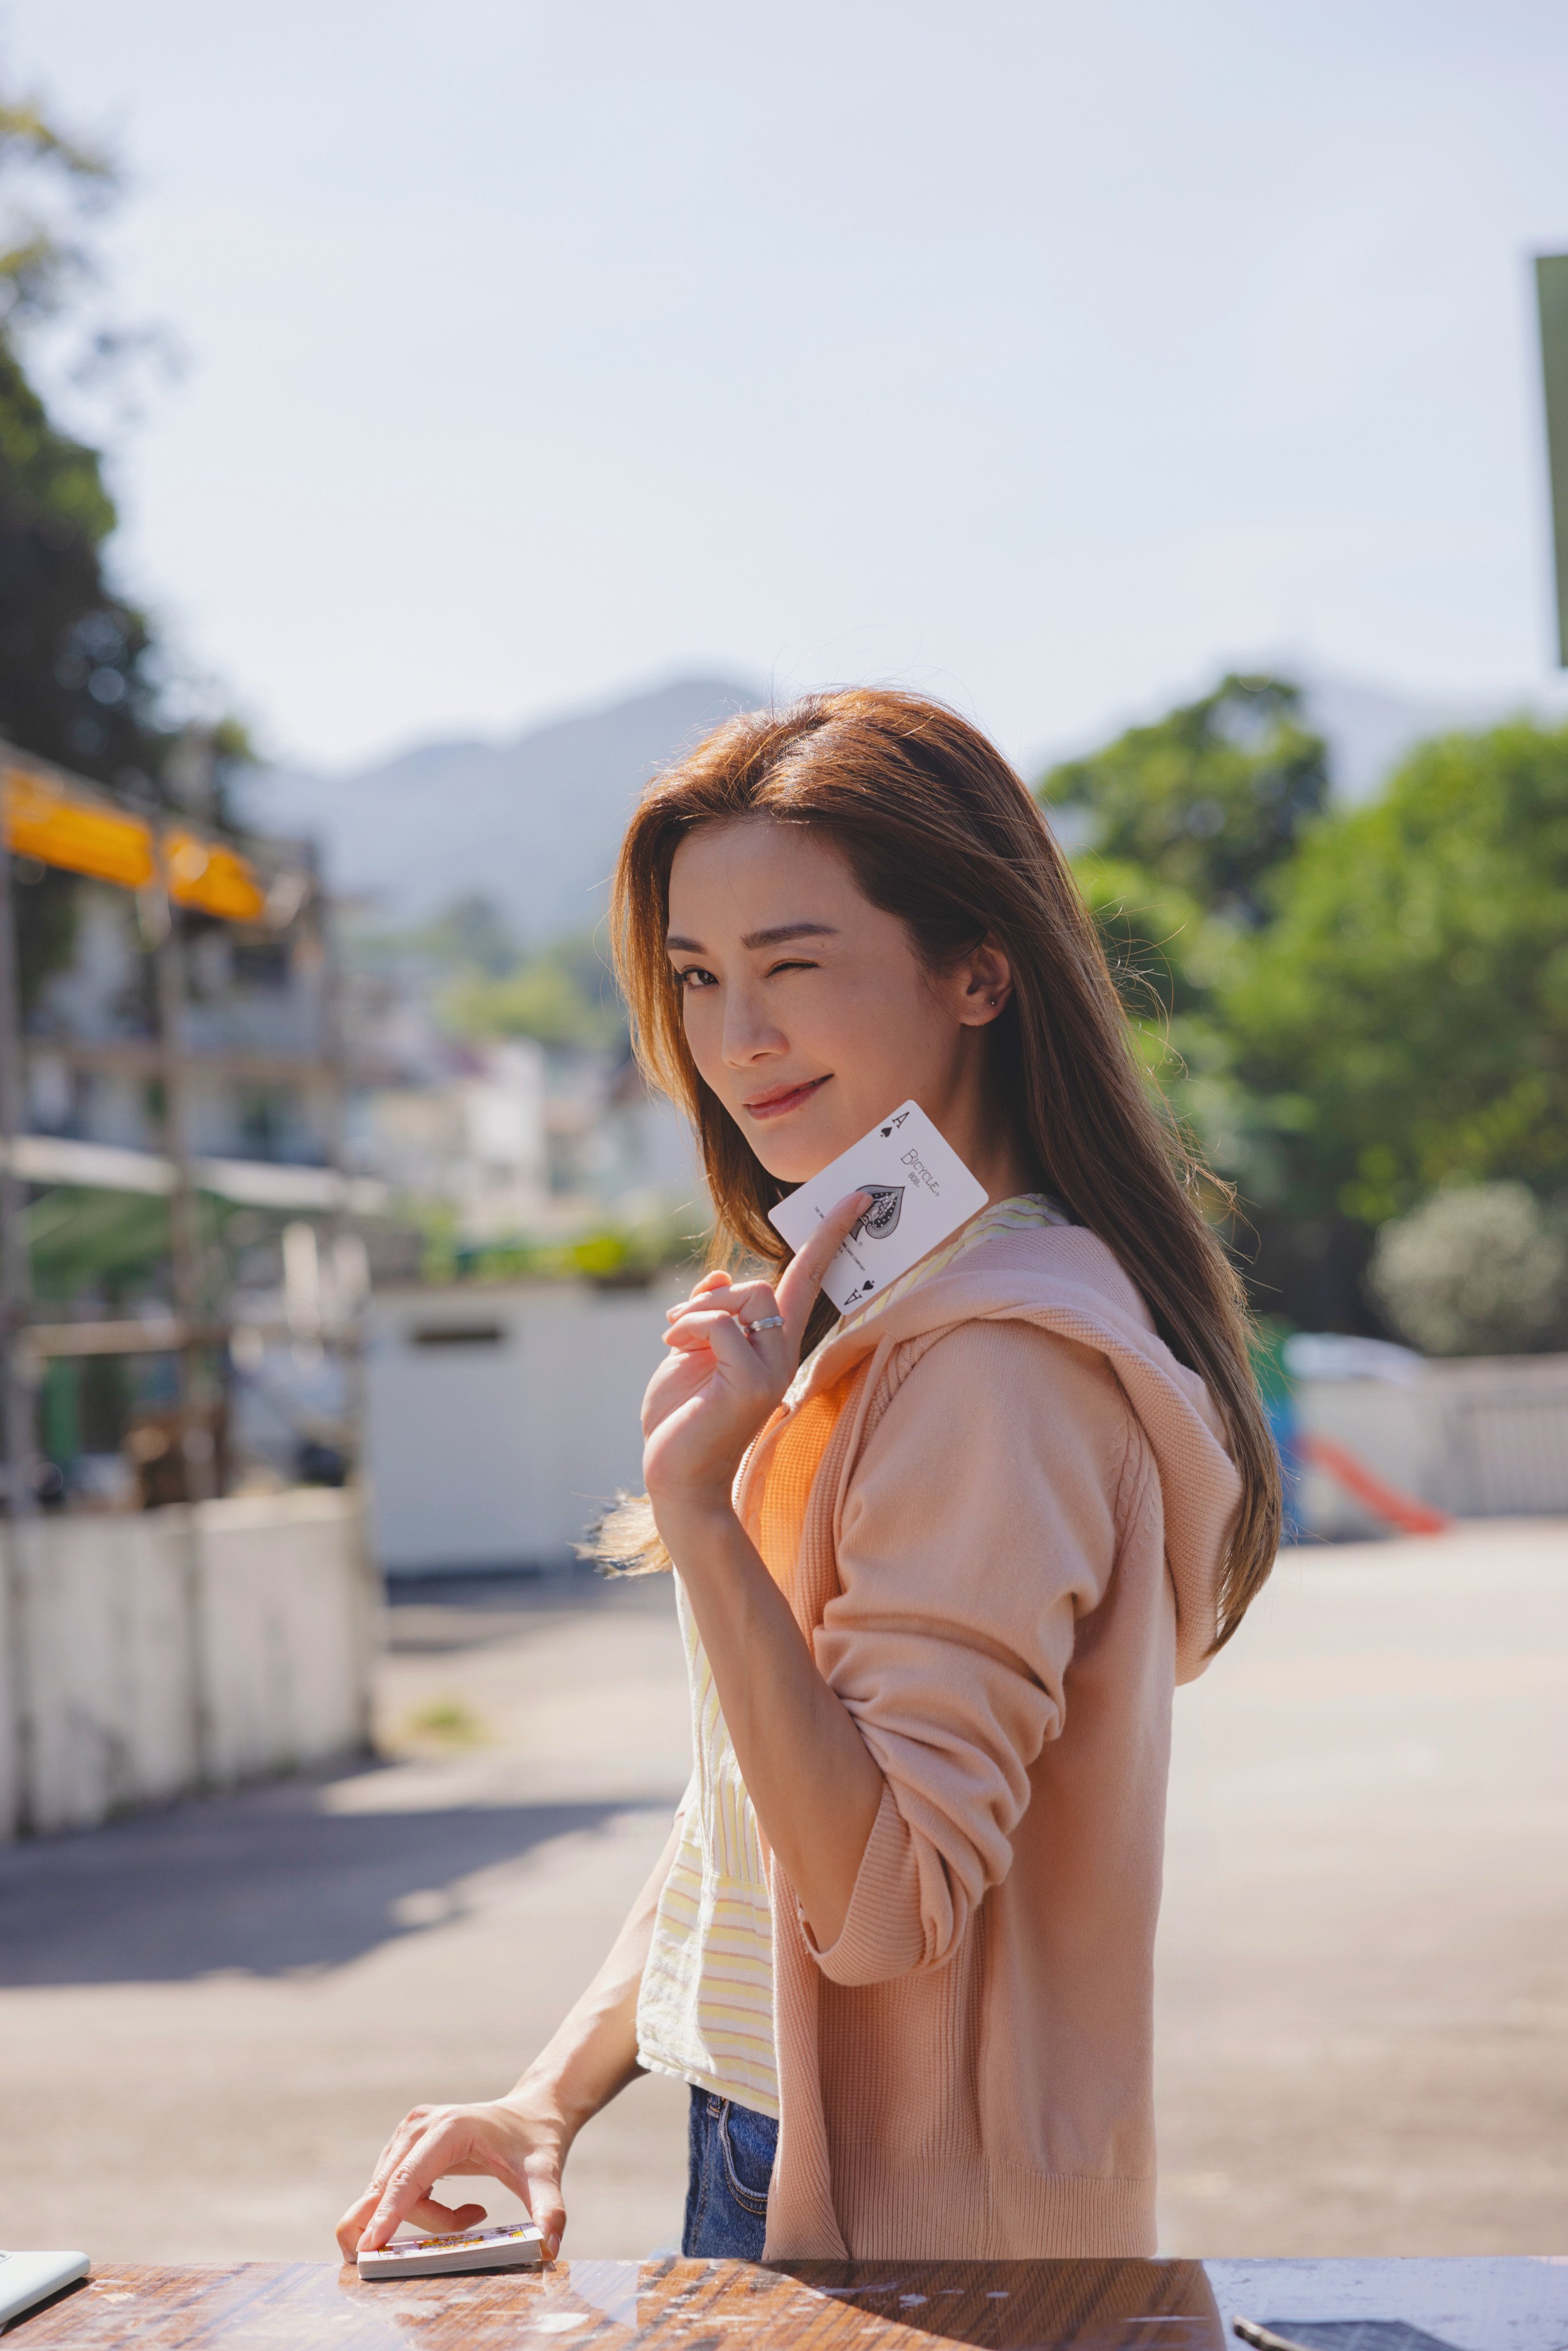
pixel 1045 357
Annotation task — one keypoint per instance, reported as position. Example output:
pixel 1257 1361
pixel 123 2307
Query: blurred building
pixel 174 1103
pixel 333 1121
pixel 503 1416
pixel 256 1032
pixel 515 1139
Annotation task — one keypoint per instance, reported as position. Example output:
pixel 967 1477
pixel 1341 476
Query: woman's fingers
pixel 351 2227
pixel 443 2148
pixel 435 2144
pixel 717 1279
pixel 443 2219
pixel 748 1302
pixel 802 1277
pixel 543 2200
pixel 427 2213
pixel 695 1324
pixel 735 1297
pixel 694 1332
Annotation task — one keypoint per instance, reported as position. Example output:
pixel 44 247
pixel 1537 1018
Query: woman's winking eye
pixel 691 977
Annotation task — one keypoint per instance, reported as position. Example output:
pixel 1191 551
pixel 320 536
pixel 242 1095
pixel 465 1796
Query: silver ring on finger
pixel 763 1322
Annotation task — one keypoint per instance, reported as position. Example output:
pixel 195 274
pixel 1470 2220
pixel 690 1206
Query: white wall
pixel 157 1654
pixel 497 1452
pixel 1481 1436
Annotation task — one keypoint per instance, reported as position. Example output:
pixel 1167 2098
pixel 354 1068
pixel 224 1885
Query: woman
pixel 939 1578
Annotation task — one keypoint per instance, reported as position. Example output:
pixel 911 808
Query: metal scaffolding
pixel 58 820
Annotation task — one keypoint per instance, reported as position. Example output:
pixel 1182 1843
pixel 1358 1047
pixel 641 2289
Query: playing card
pixel 519 2246
pixel 920 1192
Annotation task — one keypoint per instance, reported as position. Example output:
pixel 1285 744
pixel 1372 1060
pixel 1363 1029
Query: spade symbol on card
pixel 880 1219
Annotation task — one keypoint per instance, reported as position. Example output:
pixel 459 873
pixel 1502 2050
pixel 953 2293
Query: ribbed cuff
pixel 916 2209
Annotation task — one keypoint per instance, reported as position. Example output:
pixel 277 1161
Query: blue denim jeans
pixel 732 2152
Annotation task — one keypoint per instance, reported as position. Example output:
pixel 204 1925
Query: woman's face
pixel 807 1010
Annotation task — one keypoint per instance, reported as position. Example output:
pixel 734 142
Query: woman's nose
pixel 747 1031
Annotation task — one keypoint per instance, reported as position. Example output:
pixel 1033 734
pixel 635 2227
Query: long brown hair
pixel 938 830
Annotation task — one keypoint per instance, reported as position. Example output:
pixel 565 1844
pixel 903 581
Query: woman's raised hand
pixel 734 1348
pixel 499 2141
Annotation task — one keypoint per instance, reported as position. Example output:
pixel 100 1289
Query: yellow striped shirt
pixel 705 2012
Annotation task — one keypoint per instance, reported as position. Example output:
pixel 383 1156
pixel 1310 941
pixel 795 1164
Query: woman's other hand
pixel 525 2150
pixel 724 1373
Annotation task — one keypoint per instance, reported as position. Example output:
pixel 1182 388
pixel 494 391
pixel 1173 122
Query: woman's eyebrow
pixel 782 931
pixel 769 938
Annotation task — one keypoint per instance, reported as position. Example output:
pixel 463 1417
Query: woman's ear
pixel 985 982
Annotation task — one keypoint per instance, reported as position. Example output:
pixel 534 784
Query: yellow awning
pixel 47 820
pixel 217 880
pixel 44 820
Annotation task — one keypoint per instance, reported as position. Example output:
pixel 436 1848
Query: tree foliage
pixel 77 680
pixel 79 677
pixel 51 184
pixel 1349 1009
pixel 82 680
pixel 1410 995
pixel 1478 1269
pixel 1210 799
pixel 562 995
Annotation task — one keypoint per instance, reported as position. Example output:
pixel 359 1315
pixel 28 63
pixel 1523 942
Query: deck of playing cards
pixel 520 2247
pixel 920 1192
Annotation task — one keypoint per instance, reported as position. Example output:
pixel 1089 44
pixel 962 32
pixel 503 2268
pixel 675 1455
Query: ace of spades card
pixel 920 1192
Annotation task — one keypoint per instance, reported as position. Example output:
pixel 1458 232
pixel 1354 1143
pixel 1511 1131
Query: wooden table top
pixel 679 2305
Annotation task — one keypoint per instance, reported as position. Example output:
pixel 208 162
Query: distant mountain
pixel 1369 728
pixel 534 823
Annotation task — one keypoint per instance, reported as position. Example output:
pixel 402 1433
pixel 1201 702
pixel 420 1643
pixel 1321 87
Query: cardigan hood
pixel 1064 1279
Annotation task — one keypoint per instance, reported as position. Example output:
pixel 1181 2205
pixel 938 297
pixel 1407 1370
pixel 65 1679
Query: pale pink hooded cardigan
pixel 1005 1551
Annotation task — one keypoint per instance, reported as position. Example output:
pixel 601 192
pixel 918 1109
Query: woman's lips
pixel 780 1100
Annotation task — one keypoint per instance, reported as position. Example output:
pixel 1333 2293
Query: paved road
pixel 210 2017
pixel 1363 1985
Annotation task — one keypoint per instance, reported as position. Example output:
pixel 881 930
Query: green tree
pixel 81 674
pixel 78 681
pixel 1409 1003
pixel 562 995
pixel 1209 798
pixel 1348 1009
pixel 1477 1269
pixel 1184 823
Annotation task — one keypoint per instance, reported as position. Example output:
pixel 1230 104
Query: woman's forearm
pixel 811 1777
pixel 592 2054
pixel 524 2138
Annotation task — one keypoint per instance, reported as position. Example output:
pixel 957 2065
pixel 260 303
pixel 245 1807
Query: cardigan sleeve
pixel 978 1525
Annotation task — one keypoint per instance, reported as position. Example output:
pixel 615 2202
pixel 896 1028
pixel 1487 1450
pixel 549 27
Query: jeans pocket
pixel 748 2141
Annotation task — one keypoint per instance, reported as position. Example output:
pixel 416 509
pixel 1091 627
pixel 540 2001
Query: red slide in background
pixel 1385 1502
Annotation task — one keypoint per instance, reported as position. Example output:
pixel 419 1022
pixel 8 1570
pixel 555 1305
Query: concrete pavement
pixel 1362 2030
pixel 210 2017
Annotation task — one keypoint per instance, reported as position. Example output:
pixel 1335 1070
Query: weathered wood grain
pixel 667 2305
